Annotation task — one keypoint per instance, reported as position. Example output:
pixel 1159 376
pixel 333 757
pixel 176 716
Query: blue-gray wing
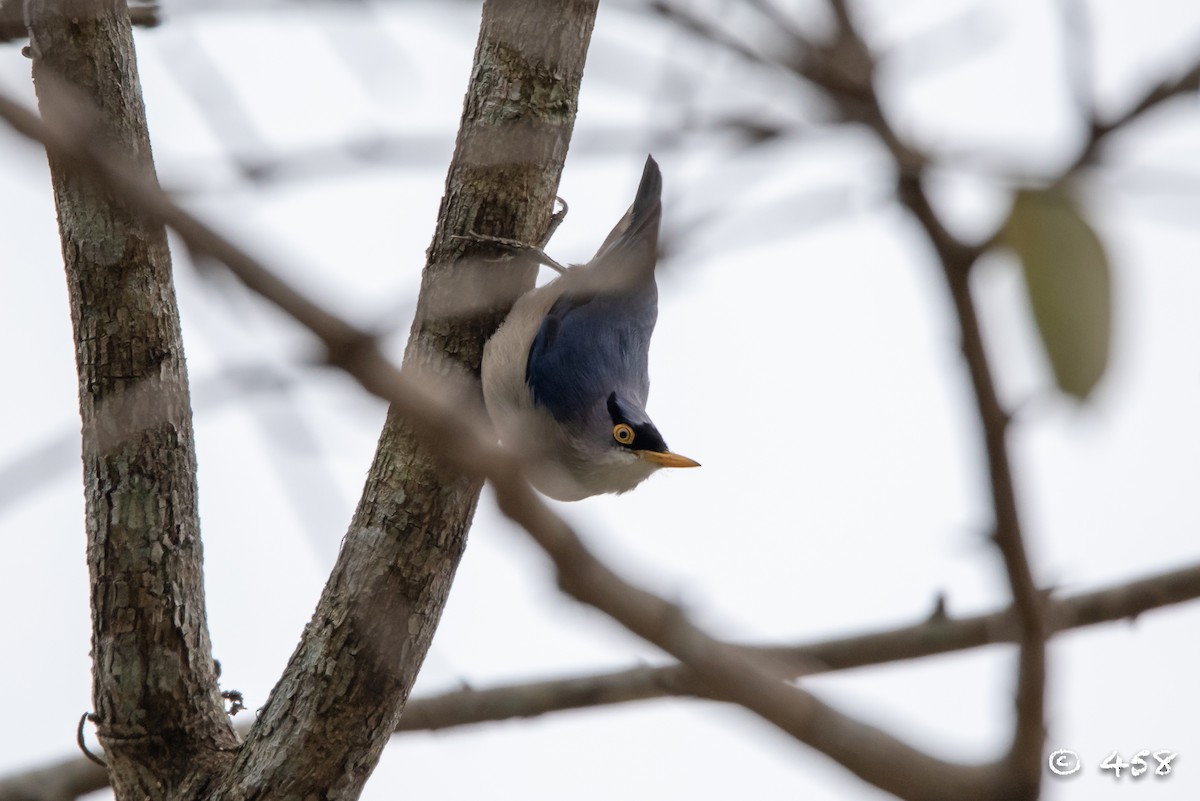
pixel 590 346
pixel 596 337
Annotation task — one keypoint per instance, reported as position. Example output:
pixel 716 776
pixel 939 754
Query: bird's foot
pixel 513 244
pixel 555 220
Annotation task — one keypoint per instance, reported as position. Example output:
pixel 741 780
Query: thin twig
pixel 1158 94
pixel 82 743
pixel 852 63
pixel 467 707
pixel 725 671
pixel 927 638
pixel 956 259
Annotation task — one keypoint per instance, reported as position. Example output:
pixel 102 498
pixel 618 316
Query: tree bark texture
pixel 343 692
pixel 158 709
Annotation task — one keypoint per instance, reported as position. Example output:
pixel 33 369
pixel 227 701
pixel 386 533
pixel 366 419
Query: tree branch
pixel 63 780
pixel 931 637
pixel 1155 96
pixel 349 679
pixel 1024 768
pixel 71 778
pixel 725 670
pixel 157 704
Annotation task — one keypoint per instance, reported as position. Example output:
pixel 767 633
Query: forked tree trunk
pixel 159 712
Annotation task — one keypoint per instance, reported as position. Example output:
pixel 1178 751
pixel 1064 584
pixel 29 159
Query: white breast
pixel 528 430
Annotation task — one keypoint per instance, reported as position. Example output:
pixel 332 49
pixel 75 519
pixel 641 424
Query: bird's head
pixel 566 376
pixel 615 448
pixel 632 436
pixel 612 448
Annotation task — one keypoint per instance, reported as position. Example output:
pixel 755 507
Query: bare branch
pixel 956 258
pixel 714 669
pixel 348 680
pixel 1158 94
pixel 727 671
pixel 926 638
pixel 807 59
pixel 722 671
pixel 708 31
pixel 63 780
pixel 846 69
pixel 1129 600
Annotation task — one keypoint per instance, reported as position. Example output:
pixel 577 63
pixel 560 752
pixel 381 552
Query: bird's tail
pixel 631 249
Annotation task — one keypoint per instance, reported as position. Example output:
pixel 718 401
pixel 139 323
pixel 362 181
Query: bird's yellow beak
pixel 667 459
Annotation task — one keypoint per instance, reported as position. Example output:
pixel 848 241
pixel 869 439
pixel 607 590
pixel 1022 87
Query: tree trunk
pixel 158 710
pixel 348 680
pixel 342 694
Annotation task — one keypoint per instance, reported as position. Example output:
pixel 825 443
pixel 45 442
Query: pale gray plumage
pixel 565 376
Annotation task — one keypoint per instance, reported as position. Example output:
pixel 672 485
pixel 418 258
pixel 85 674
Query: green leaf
pixel 1069 283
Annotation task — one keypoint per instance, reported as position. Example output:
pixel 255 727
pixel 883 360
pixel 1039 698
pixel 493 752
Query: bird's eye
pixel 622 433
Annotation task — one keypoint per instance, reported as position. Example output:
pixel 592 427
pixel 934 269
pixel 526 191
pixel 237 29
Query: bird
pixel 566 375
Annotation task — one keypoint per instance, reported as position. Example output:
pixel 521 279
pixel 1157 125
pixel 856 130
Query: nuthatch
pixel 565 376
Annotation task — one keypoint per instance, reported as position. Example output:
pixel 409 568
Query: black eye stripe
pixel 645 435
pixel 614 409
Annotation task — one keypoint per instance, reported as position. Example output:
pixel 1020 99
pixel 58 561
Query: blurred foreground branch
pixel 937 635
pixel 68 779
pixel 754 680
pixel 709 668
pixel 343 691
pixel 844 67
pixel 862 103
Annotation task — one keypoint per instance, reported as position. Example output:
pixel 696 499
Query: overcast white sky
pixel 805 355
